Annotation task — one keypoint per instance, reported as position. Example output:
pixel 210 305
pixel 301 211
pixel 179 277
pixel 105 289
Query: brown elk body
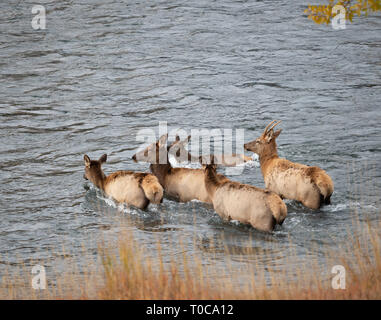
pixel 225 160
pixel 262 209
pixel 182 184
pixel 311 186
pixel 133 188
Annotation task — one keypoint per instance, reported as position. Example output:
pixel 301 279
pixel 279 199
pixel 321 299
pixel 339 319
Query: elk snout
pixel 134 158
pixel 84 177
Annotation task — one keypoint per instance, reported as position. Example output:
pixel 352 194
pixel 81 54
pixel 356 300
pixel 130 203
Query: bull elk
pixel 134 188
pixel 182 184
pixel 232 200
pixel 311 186
pixel 225 160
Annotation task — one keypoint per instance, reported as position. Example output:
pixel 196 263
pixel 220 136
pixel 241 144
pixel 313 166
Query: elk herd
pixel 261 208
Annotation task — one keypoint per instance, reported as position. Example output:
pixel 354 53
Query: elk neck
pixel 99 179
pixel 266 156
pixel 211 181
pixel 161 171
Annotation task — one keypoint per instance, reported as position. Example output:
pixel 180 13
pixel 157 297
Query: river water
pixel 103 70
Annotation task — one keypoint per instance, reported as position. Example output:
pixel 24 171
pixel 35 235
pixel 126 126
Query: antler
pixel 265 131
pixel 273 125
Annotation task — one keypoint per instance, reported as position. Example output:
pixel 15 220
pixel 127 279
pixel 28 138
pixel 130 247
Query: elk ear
pixel 163 139
pixel 206 160
pixel 185 141
pixel 277 133
pixel 103 158
pixel 201 160
pixel 87 160
pixel 212 159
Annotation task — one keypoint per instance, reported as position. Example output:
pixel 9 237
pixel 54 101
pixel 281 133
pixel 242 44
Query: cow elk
pixel 181 184
pixel 311 186
pixel 133 188
pixel 232 200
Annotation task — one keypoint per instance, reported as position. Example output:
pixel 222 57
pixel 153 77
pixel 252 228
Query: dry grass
pixel 129 275
pixel 127 270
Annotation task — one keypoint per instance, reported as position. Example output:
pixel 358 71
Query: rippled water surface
pixel 103 70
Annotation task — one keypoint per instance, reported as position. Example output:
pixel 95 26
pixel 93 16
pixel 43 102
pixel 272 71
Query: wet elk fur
pixel 134 188
pixel 311 186
pixel 262 209
pixel 182 184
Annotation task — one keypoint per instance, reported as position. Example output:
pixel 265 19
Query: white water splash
pixel 349 206
pixel 121 207
pixel 335 208
pixel 254 163
pixel 235 222
pixel 174 163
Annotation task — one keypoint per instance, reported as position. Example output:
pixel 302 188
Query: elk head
pixel 208 162
pixel 154 152
pixel 177 148
pixel 93 170
pixel 265 144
